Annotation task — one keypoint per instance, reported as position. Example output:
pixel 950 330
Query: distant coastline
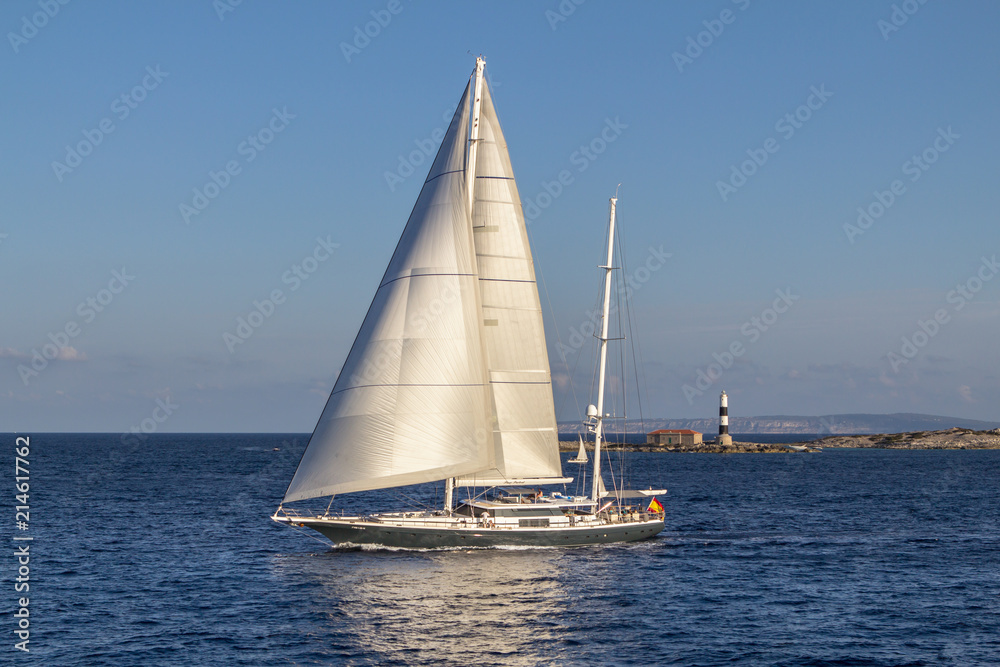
pixel 839 424
pixel 953 438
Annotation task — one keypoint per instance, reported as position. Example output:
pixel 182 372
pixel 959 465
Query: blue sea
pixel 162 553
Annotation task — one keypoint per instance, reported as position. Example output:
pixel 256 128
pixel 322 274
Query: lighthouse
pixel 724 438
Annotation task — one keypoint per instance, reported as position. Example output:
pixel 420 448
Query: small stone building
pixel 666 436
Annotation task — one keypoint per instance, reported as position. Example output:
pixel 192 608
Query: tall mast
pixel 599 428
pixel 477 99
pixel 470 188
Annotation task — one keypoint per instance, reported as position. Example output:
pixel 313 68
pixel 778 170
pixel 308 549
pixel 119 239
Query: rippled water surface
pixel 164 554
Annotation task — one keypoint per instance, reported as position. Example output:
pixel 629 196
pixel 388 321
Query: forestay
pixel 411 403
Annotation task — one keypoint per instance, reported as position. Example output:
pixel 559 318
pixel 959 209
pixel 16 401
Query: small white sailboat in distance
pixel 448 378
pixel 581 456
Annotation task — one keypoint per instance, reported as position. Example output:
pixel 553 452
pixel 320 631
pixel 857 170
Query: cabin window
pixel 532 511
pixel 533 523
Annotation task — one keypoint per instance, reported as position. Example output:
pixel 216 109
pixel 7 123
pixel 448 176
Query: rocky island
pixel 952 438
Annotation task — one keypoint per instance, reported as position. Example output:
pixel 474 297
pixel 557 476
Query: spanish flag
pixel 655 507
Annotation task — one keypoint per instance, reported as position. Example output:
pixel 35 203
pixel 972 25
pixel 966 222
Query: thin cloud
pixel 70 354
pixel 67 353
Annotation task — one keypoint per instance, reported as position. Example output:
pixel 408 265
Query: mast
pixel 477 99
pixel 449 487
pixel 599 428
pixel 470 188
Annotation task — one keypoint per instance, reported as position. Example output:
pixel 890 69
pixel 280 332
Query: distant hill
pixel 901 422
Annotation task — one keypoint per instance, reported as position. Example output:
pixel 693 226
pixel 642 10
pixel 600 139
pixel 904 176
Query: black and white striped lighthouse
pixel 724 438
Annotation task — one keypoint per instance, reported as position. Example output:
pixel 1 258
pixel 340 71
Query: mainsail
pixel 525 436
pixel 411 404
pixel 449 375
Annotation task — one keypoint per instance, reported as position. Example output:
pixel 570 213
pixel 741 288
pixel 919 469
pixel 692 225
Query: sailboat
pixel 581 456
pixel 448 378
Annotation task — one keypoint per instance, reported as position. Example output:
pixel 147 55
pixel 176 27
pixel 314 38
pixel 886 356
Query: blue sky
pixel 873 84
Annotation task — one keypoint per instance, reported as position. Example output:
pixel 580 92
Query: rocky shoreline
pixel 953 438
pixel 701 448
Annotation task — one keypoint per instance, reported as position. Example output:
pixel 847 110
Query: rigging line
pixel 572 374
pixel 594 347
pixel 618 387
pixel 489 83
pixel 552 313
pixel 416 502
pixel 595 355
pixel 637 365
pixel 621 313
pixel 611 468
pixel 310 535
pixel 623 353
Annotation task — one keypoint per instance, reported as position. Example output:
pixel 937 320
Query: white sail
pixel 525 435
pixel 411 403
